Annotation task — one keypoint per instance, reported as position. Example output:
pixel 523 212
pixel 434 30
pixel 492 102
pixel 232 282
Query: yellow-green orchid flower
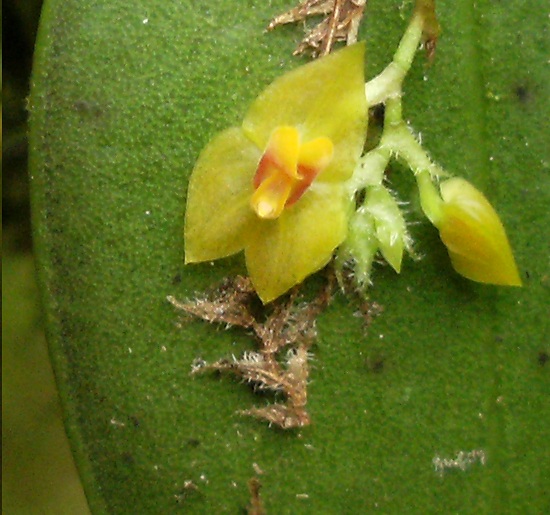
pixel 275 186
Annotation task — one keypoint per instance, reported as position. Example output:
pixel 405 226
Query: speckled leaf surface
pixel 124 97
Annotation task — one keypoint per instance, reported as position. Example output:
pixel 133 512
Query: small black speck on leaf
pixel 543 358
pixel 375 364
pixel 127 458
pixel 523 93
pixel 87 108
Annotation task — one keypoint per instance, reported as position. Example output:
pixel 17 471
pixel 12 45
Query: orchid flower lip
pixel 287 169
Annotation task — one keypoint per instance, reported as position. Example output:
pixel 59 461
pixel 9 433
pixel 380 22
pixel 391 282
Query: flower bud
pixel 474 236
pixel 391 229
pixel 377 226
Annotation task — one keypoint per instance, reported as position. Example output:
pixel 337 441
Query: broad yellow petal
pixel 218 217
pixel 324 98
pixel 282 253
pixel 474 236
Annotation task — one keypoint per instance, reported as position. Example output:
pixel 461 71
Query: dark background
pixel 38 473
pixel 19 25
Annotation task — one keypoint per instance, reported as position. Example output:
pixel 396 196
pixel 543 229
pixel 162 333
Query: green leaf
pixel 124 97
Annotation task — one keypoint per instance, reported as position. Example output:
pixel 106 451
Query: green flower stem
pixel 402 143
pixel 385 85
pixel 393 117
pixel 430 199
pixel 397 138
pixel 406 50
pixel 388 84
pixel 370 171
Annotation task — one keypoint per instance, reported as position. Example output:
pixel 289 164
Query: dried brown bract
pixel 229 303
pixel 431 28
pixel 256 506
pixel 284 330
pixel 369 311
pixel 341 23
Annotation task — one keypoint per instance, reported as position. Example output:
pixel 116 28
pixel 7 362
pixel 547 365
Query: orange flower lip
pixel 286 170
